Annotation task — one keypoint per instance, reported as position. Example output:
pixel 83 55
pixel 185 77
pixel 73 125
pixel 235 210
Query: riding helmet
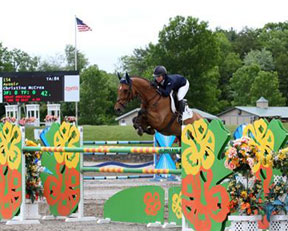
pixel 160 70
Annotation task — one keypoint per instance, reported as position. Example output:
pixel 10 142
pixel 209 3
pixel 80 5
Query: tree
pixel 246 40
pixel 82 61
pixel 262 58
pixel 241 82
pixel 250 83
pixel 186 46
pixel 95 97
pixel 229 63
pixel 138 63
pixel 282 70
pixel 266 84
pixel 5 59
pixel 21 61
pixel 274 37
pixel 55 63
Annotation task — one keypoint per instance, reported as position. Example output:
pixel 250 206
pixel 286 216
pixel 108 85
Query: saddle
pixel 174 102
pixel 188 113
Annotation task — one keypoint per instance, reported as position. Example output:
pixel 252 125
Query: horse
pixel 155 110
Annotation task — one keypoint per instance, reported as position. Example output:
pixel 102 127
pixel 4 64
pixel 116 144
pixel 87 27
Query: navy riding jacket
pixel 171 82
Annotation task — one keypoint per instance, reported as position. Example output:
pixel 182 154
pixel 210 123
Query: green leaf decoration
pixel 143 204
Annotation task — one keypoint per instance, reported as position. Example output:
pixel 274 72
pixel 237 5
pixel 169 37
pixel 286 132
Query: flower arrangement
pixel 24 121
pixel 34 189
pixel 8 119
pixel 280 161
pixel 276 200
pixel 51 118
pixel 70 119
pixel 244 200
pixel 242 156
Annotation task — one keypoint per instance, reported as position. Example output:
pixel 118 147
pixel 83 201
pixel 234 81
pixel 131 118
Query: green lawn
pixel 114 132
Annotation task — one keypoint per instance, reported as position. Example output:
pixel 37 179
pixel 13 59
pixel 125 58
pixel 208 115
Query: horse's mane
pixel 143 83
pixel 138 77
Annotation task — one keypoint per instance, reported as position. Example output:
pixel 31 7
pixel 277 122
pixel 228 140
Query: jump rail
pixel 100 142
pixel 129 170
pixel 142 150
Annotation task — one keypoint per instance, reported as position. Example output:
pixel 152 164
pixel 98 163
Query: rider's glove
pixel 153 84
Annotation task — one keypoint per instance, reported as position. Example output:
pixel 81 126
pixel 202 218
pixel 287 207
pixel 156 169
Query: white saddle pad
pixel 188 113
pixel 173 107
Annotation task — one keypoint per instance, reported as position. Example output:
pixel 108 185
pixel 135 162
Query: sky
pixel 44 27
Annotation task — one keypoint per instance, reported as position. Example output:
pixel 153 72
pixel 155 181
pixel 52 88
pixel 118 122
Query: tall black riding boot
pixel 181 107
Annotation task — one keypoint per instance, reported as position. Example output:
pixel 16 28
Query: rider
pixel 166 83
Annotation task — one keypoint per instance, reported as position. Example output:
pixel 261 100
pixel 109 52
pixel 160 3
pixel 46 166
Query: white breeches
pixel 182 91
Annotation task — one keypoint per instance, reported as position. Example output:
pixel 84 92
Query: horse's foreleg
pixel 141 124
pixel 149 130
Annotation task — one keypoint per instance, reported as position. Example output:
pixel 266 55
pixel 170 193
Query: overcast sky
pixel 44 27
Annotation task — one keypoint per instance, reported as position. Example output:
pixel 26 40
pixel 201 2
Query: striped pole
pixel 119 177
pixel 139 150
pixel 118 142
pixel 129 170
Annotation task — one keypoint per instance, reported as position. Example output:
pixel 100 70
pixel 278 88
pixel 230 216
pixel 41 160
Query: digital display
pixel 25 87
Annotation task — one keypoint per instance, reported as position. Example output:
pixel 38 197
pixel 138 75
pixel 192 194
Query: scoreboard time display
pixel 25 87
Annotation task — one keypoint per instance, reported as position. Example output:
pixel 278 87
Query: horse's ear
pixel 118 74
pixel 127 77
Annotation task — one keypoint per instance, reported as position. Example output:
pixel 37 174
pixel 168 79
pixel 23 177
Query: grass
pixel 103 132
pixel 115 132
pixel 112 133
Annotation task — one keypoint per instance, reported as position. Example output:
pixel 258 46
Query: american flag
pixel 82 27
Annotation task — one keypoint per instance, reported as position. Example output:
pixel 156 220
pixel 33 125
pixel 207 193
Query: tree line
pixel 225 68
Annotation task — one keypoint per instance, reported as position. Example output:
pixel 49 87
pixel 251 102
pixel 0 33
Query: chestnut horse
pixel 156 110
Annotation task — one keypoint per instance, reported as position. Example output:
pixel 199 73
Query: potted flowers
pixel 70 119
pixel 276 200
pixel 8 119
pixel 49 119
pixel 34 189
pixel 243 188
pixel 27 121
pixel 245 201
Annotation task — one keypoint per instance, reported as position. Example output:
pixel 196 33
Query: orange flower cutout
pixel 10 191
pixel 264 224
pixel 153 203
pixel 216 206
pixel 63 190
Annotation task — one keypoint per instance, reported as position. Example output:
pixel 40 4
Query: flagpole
pixel 76 103
pixel 75 51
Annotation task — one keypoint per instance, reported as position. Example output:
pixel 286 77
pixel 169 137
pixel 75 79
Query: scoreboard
pixel 25 87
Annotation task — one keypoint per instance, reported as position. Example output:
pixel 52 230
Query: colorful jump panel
pixel 143 204
pixel 10 170
pixel 204 196
pixel 61 178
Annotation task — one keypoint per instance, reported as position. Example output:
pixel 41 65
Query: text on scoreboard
pixel 25 87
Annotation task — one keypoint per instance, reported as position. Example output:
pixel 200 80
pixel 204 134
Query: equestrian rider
pixel 165 84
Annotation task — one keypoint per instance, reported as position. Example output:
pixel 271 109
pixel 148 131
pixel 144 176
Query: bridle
pixel 130 96
pixel 127 98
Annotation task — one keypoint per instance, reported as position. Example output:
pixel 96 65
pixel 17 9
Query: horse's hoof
pixel 150 131
pixel 140 131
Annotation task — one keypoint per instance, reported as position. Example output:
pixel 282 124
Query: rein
pixel 148 101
